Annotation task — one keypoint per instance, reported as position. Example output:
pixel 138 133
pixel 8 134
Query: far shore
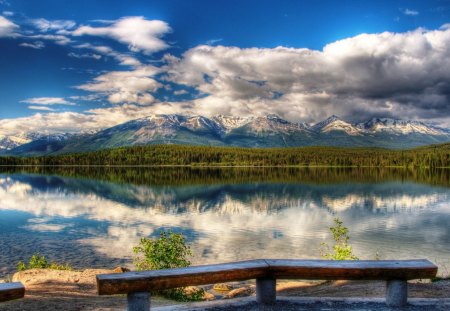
pixel 221 166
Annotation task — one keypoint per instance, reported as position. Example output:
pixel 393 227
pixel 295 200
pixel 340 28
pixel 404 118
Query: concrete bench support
pixel 266 292
pixel 11 291
pixel 396 293
pixel 138 301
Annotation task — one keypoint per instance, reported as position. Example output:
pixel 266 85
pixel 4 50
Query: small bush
pixel 341 249
pixel 38 261
pixel 168 251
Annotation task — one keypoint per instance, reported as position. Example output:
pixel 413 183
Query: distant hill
pixel 267 131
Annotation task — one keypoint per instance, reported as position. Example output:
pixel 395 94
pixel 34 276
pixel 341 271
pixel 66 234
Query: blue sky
pixel 77 65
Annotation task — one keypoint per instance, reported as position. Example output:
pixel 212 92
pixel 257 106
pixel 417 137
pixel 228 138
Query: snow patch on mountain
pixel 400 127
pixel 334 123
pixel 229 123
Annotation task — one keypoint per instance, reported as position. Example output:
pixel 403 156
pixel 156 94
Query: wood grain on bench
pixel 145 281
pixel 351 269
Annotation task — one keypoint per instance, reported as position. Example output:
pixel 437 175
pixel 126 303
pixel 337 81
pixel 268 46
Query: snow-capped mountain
pixel 10 142
pixel 13 141
pixel 334 123
pixel 261 131
pixel 401 127
pixel 275 124
pixel 229 123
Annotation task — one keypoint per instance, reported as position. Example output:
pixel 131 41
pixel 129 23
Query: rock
pixel 121 270
pixel 208 296
pixel 191 290
pixel 240 292
pixel 222 287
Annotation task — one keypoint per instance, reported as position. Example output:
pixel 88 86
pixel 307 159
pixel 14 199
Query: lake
pixel 92 217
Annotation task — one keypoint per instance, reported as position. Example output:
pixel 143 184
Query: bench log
pixel 351 269
pixel 147 281
pixel 137 285
pixel 11 291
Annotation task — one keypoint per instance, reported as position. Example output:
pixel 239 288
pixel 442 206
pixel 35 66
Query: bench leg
pixel 396 293
pixel 266 292
pixel 138 301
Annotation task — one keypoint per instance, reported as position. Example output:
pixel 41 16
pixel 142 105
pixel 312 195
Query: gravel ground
pixel 314 305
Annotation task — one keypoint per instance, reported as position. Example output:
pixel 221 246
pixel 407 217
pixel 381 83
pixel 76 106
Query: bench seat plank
pixel 352 269
pixel 11 291
pixel 145 281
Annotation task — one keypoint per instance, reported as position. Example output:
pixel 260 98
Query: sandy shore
pixel 76 290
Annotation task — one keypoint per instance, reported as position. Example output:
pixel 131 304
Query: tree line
pixel 436 156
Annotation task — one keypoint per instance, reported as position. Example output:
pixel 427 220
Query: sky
pixel 75 66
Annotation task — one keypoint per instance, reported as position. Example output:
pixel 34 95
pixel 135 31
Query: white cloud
pixel 124 59
pixel 180 92
pixel 8 13
pixel 47 101
pixel 34 45
pixel 8 28
pixel 137 32
pixel 126 86
pixel 387 74
pixel 85 55
pixel 45 25
pixel 409 12
pixel 213 41
pixel 52 122
pixel 58 39
pixel 43 108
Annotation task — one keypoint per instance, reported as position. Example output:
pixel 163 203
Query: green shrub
pixel 38 261
pixel 341 249
pixel 168 251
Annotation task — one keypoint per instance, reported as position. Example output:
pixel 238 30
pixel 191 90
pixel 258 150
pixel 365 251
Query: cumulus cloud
pixel 90 120
pixel 137 32
pixel 47 101
pixel 126 86
pixel 7 28
pixel 49 123
pixel 34 45
pixel 387 74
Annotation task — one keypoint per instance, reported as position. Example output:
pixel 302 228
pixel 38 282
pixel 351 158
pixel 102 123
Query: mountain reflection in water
pixel 93 217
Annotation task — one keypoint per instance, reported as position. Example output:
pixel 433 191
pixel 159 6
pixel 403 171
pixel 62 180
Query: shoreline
pixel 219 166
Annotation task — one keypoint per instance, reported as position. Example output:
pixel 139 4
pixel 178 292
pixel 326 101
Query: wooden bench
pixel 138 285
pixel 11 291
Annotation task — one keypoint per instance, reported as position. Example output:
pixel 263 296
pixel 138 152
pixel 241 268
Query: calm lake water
pixel 93 217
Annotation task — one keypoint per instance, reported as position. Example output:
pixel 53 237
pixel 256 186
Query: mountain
pixel 11 142
pixel 333 124
pixel 400 127
pixel 220 130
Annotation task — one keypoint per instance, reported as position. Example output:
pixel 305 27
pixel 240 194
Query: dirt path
pixel 71 290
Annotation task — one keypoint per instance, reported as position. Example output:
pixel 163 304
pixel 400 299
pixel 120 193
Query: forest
pixel 435 156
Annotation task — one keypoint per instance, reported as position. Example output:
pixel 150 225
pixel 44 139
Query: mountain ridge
pixel 255 131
